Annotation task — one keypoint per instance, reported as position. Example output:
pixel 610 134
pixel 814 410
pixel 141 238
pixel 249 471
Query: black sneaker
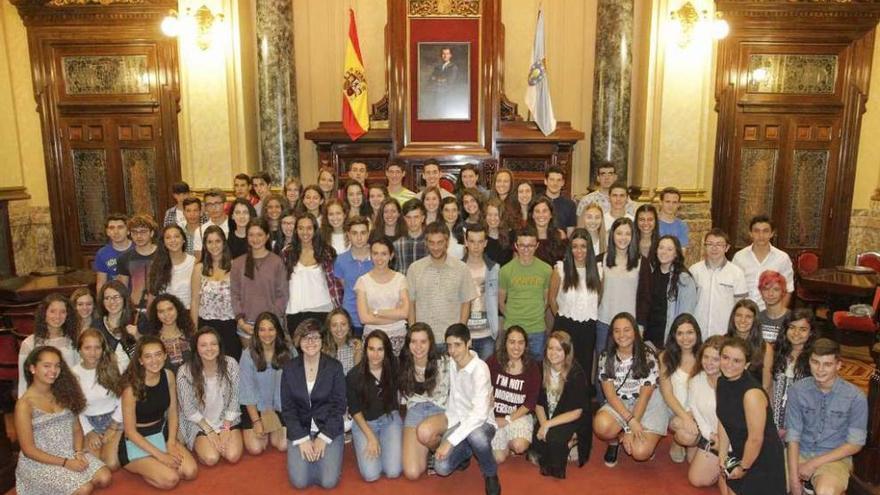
pixel 493 485
pixel 611 455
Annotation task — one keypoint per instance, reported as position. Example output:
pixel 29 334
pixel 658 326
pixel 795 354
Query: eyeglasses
pixel 715 244
pixel 311 338
pixel 114 298
pixel 213 203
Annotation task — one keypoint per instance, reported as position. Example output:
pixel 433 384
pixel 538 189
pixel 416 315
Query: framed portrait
pixel 444 81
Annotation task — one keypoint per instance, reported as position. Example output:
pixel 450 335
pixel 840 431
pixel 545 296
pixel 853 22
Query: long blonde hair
pixel 564 342
pixel 603 235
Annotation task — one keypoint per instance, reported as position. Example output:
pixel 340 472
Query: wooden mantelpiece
pixel 519 146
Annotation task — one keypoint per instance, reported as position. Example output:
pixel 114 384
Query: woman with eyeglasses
pixel 313 404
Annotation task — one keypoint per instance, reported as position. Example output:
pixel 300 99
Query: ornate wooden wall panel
pixel 791 87
pixel 108 102
pixel 501 139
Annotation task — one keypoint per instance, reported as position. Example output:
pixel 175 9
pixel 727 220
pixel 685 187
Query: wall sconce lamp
pixel 201 24
pixel 691 23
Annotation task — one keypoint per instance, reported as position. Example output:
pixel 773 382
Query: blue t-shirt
pixel 106 259
pixel 677 228
pixel 348 270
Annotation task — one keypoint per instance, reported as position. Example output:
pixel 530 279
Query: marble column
pixel 279 133
pixel 612 83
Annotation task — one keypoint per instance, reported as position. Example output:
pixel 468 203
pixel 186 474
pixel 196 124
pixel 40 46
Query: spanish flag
pixel 355 105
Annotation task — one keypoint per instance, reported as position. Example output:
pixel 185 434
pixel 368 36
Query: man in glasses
pixel 215 200
pixel 134 265
pixel 523 288
pixel 720 284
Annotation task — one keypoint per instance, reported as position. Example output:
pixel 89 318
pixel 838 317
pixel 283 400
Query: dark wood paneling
pixel 78 113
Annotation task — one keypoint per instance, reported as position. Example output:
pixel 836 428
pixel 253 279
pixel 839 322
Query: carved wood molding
pixel 509 110
pixel 379 110
pixel 444 8
pixel 798 8
pixel 67 12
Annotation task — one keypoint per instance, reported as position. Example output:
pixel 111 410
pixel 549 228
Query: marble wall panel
pixel 31 237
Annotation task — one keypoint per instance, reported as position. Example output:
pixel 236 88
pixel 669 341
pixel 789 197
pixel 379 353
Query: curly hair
pixel 70 327
pixel 184 320
pixel 379 224
pixel 107 370
pixel 557 243
pixel 784 348
pixel 65 389
pixel 501 354
pixel 408 384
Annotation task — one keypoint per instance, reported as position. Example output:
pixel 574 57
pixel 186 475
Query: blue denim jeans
pixel 477 444
pixel 537 341
pixel 324 472
pixel 389 431
pixel 484 347
pixel 602 330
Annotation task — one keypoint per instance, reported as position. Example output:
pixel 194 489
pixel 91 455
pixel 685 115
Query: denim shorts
pixel 421 412
pixel 101 422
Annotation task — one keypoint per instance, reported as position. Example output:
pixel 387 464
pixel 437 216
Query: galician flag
pixel 355 105
pixel 538 90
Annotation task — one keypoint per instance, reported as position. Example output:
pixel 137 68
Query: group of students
pixel 288 320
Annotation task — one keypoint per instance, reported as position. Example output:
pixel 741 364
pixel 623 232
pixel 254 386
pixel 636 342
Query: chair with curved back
pixel 869 259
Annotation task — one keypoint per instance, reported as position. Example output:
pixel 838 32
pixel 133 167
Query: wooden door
pixel 791 87
pixel 110 164
pixel 786 165
pixel 106 85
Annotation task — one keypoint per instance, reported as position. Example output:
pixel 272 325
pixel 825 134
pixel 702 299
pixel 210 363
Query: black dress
pixel 766 476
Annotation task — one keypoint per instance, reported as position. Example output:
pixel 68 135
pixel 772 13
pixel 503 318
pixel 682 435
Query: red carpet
pixel 267 474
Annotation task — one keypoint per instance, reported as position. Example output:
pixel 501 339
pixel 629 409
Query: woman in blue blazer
pixel 312 404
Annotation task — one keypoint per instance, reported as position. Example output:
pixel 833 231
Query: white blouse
pixel 99 400
pixel 580 304
pixel 308 290
pixel 181 280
